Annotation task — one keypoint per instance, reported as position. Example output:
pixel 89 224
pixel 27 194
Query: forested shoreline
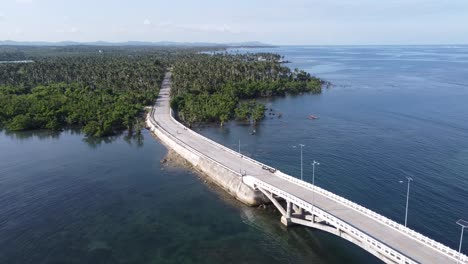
pixel 221 87
pixel 103 90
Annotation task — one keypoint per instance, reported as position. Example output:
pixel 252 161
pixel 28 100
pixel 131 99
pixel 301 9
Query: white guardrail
pixel 337 222
pixel 378 217
pixel 183 144
pixel 381 219
pixel 217 144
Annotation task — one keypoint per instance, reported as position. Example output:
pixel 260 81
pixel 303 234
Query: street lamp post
pixel 313 172
pixel 313 182
pixel 463 224
pixel 407 199
pixel 302 145
pixel 239 146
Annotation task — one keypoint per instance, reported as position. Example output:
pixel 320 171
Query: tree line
pixel 102 93
pixel 219 87
pixel 104 90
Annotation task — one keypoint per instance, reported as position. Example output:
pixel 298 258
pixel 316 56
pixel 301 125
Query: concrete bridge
pixel 298 202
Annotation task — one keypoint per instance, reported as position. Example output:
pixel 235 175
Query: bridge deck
pixel 400 242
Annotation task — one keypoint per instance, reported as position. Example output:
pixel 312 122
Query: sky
pixel 280 22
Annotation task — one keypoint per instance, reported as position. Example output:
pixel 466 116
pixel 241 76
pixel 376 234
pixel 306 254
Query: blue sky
pixel 337 22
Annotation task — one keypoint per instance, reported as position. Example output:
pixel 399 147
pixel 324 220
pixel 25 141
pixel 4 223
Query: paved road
pixel 398 241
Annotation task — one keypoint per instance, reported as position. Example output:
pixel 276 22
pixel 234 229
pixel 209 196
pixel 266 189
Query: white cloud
pixel 146 22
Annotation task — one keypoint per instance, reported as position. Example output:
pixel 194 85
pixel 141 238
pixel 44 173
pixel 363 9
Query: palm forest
pixel 107 90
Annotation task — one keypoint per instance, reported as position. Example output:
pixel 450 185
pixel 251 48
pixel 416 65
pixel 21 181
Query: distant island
pixel 104 89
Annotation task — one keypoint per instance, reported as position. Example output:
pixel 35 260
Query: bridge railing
pixel 380 218
pixel 376 216
pixel 185 145
pixel 219 145
pixel 338 223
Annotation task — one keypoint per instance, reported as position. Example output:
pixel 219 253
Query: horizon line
pixel 188 43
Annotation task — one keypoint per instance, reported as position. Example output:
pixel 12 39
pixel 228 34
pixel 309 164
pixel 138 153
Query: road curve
pixel 392 237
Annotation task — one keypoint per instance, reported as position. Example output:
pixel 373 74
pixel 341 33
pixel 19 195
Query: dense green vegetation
pixel 102 93
pixel 214 87
pixel 104 90
pixel 250 110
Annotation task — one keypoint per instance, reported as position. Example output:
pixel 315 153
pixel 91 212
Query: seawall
pixel 229 180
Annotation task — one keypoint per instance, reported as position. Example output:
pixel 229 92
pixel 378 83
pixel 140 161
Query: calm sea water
pixel 393 112
pixel 67 200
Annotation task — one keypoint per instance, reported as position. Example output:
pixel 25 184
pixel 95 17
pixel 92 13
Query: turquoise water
pixel 392 112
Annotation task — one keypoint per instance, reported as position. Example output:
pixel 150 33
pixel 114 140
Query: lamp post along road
pixel 302 145
pixel 313 181
pixel 463 224
pixel 313 172
pixel 407 199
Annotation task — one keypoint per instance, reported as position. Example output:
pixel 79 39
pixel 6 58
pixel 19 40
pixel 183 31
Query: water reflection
pixel 132 139
pixel 135 139
pixel 95 142
pixel 61 201
pixel 24 135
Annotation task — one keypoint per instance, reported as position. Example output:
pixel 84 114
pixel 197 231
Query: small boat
pixel 311 117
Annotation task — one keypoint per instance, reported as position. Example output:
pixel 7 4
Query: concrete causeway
pixel 299 202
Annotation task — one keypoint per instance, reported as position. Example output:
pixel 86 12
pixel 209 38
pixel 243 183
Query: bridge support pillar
pixel 286 219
